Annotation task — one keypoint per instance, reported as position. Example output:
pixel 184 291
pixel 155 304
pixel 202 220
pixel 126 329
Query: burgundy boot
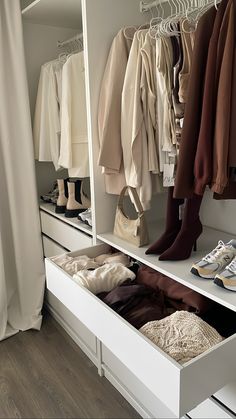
pixel 190 231
pixel 173 225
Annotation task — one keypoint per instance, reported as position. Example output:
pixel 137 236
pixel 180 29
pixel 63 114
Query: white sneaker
pixel 216 260
pixel 227 278
pixel 82 216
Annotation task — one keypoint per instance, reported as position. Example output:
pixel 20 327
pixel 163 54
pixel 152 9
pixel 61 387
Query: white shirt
pixel 46 127
pixel 74 138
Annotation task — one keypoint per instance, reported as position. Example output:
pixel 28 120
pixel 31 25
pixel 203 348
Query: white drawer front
pixel 141 394
pixel 180 388
pixel 74 324
pixel 209 410
pixel 51 248
pixel 64 234
pixel 227 396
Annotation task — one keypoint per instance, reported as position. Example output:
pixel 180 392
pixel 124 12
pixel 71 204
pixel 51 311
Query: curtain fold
pixel 21 259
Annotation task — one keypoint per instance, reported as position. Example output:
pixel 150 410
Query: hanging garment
pixel 182 335
pixel 165 112
pixel 109 112
pixel 46 127
pixel 160 105
pixel 133 130
pixel 21 257
pixel 148 97
pixel 203 165
pixel 187 42
pixel 74 137
pixel 184 182
pixel 177 67
pixel 225 56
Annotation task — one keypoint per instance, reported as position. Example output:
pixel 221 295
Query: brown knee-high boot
pixel 190 231
pixel 173 225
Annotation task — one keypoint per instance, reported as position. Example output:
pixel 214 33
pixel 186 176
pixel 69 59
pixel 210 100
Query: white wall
pixel 41 46
pixel 220 215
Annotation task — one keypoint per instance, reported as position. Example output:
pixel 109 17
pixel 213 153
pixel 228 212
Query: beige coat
pixel 133 130
pixel 109 112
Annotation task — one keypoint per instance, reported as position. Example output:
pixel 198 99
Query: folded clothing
pixel 104 278
pixel 137 304
pixel 182 298
pixel 182 335
pixel 74 264
pixel 117 257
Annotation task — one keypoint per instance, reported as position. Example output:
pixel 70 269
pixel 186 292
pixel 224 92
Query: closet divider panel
pixel 101 22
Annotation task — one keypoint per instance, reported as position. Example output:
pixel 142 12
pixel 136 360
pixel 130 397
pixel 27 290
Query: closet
pixel 150 380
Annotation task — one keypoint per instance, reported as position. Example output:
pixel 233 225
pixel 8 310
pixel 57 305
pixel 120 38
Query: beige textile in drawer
pixel 64 234
pixel 180 388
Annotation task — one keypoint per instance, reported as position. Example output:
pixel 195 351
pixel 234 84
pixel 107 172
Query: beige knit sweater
pixel 182 335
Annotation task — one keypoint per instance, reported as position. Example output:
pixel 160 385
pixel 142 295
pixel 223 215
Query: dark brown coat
pixel 184 184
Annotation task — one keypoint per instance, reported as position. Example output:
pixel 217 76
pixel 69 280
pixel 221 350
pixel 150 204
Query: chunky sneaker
pixel 52 196
pixel 83 215
pixel 227 278
pixel 216 260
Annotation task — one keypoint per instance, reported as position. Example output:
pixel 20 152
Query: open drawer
pixel 180 388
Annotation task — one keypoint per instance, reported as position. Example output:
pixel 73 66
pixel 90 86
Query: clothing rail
pixel 78 37
pixel 145 7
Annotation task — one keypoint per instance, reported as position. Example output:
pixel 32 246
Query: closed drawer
pixel 51 248
pixel 116 372
pixel 72 324
pixel 67 236
pixel 180 388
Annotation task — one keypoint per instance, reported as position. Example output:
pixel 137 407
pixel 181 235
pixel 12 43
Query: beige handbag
pixel 134 231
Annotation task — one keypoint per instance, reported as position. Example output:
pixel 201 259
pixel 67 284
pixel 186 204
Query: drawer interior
pixel 180 387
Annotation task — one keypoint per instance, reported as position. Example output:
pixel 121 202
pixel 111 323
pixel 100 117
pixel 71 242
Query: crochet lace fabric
pixel 182 335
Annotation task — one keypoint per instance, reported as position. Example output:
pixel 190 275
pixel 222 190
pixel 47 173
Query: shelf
pixel 180 271
pixel 74 222
pixel 63 13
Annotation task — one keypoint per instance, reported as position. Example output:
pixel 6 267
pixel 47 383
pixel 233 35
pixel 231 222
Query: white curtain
pixel 21 259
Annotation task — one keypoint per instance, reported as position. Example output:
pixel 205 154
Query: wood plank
pixel 45 374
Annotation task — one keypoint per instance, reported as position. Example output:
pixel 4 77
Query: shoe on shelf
pixel 77 200
pixel 215 261
pixel 51 196
pixel 227 278
pixel 82 216
pixel 62 197
pixel 88 219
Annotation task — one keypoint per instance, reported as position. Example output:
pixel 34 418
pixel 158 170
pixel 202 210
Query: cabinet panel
pixel 51 248
pixel 62 233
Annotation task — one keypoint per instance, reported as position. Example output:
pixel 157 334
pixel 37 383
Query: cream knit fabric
pixel 182 335
pixel 104 278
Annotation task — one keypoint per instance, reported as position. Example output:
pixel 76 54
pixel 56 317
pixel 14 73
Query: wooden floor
pixel 45 375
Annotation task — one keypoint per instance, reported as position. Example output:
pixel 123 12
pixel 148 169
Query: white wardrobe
pixel 150 380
